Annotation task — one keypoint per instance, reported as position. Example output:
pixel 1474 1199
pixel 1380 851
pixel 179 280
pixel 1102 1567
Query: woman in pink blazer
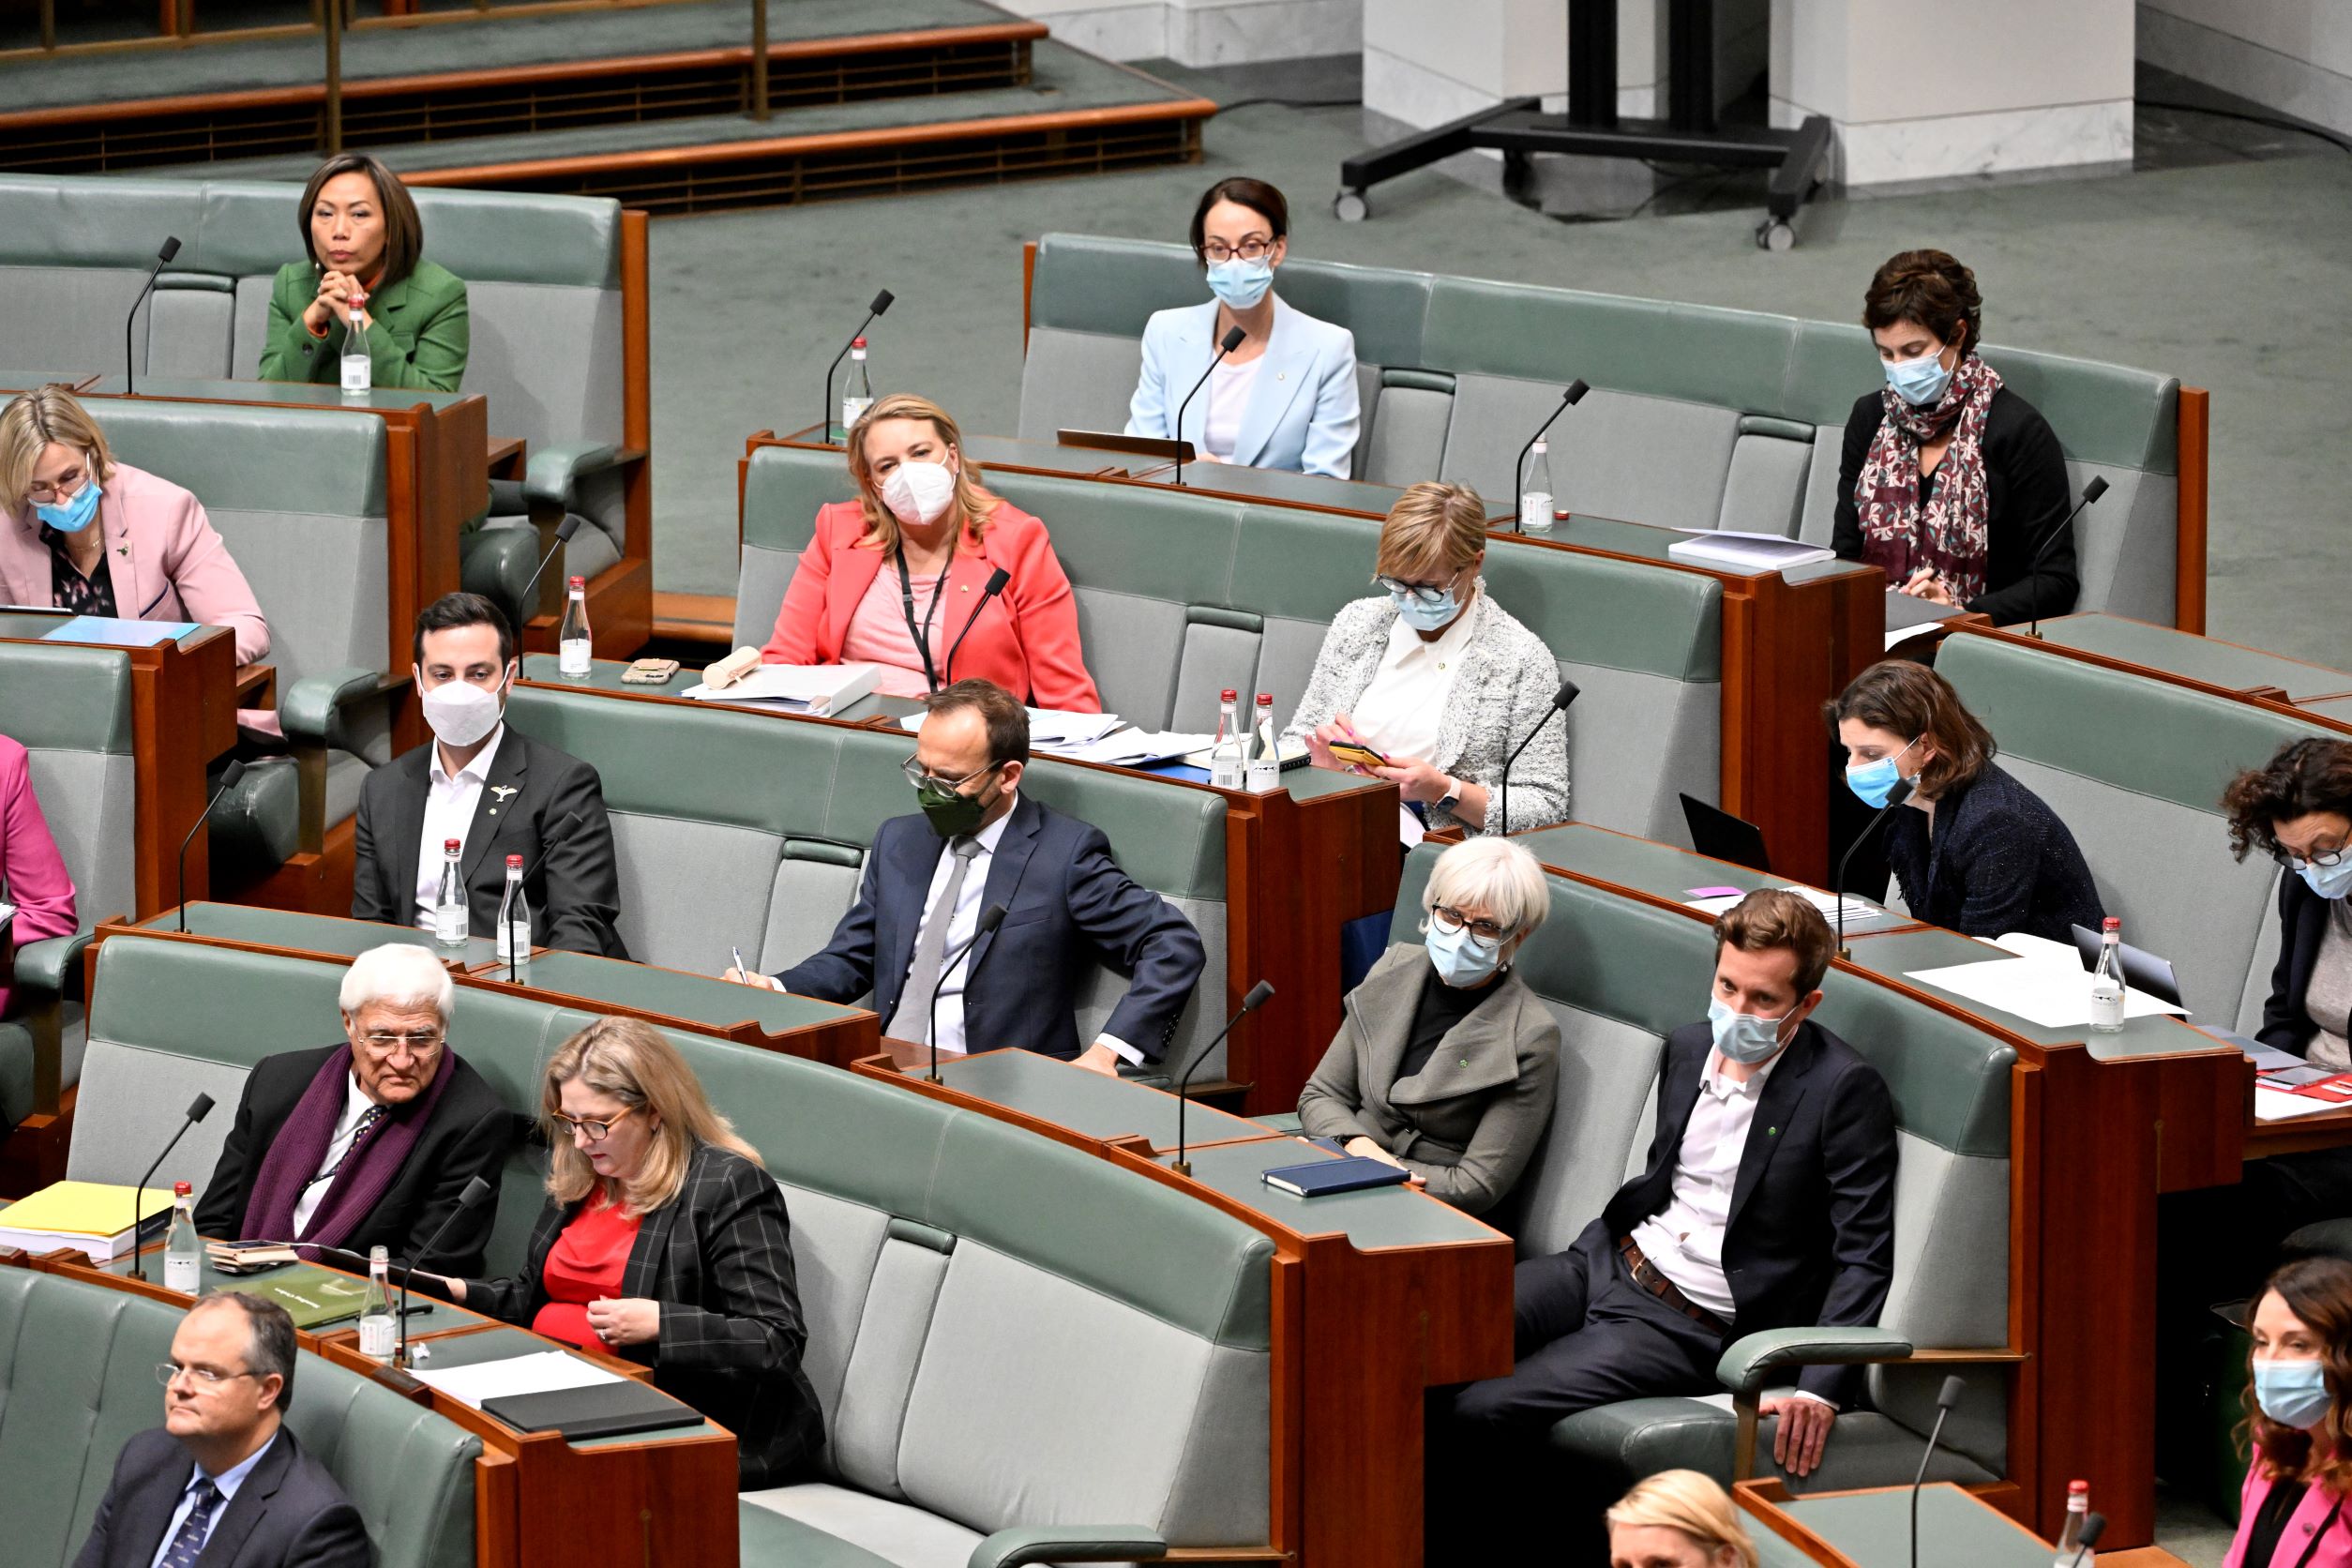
pixel 898 577
pixel 2294 1513
pixel 101 538
pixel 32 873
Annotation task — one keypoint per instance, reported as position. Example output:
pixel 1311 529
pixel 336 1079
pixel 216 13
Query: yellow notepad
pixel 83 1208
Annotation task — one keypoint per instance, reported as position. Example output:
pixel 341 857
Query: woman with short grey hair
pixel 1445 1059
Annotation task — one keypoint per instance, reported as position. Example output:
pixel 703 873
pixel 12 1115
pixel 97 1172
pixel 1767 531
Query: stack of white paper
pixel 1055 730
pixel 1731 549
pixel 1856 909
pixel 1127 749
pixel 2043 990
pixel 819 690
pixel 537 1373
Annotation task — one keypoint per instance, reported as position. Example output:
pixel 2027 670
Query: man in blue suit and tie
pixel 980 841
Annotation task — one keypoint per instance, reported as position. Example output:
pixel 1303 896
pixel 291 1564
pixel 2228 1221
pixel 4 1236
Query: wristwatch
pixel 1453 795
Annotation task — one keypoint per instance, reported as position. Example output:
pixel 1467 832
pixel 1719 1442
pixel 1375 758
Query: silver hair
pixel 1495 875
pixel 400 975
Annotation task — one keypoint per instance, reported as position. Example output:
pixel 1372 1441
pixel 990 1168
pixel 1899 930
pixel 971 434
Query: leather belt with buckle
pixel 1646 1274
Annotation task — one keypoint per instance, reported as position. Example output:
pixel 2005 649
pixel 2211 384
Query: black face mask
pixel 950 811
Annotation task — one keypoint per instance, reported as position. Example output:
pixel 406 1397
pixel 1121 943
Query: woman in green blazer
pixel 365 243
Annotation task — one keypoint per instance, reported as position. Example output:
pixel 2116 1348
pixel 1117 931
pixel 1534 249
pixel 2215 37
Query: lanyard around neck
pixel 922 634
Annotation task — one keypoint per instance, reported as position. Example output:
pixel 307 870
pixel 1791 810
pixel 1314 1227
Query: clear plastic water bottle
pixel 858 396
pixel 2106 981
pixel 514 918
pixel 1535 491
pixel 1263 771
pixel 574 647
pixel 2069 1545
pixel 183 1253
pixel 378 1326
pixel 360 372
pixel 1229 760
pixel 450 916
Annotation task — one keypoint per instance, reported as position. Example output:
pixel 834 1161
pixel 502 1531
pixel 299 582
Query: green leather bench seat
pixel 543 286
pixel 1619 977
pixel 988 1311
pixel 77 1380
pixel 761 841
pixel 1699 417
pixel 2135 767
pixel 1181 595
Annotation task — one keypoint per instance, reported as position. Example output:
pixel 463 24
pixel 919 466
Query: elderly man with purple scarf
pixel 370 1142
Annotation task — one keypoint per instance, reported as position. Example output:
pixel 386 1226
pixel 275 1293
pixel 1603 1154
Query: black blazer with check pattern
pixel 718 1259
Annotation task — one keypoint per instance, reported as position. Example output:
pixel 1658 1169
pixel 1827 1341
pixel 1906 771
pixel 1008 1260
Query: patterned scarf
pixel 367 1171
pixel 1950 534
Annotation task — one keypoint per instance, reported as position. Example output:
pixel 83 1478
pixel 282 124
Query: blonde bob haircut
pixel 973 506
pixel 629 1061
pixel 32 422
pixel 1433 525
pixel 1495 875
pixel 1686 1500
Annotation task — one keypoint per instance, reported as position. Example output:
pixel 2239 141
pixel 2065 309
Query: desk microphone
pixel 1573 394
pixel 2095 1526
pixel 1566 694
pixel 2091 491
pixel 1896 796
pixel 229 776
pixel 198 1108
pixel 556 835
pixel 997 579
pixel 564 532
pixel 1232 340
pixel 162 259
pixel 1949 1395
pixel 990 918
pixel 824 425
pixel 1259 996
pixel 476 1192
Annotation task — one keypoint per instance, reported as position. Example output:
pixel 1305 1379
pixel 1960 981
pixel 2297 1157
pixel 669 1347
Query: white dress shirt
pixel 228 1482
pixel 1229 386
pixel 1402 713
pixel 960 926
pixel 356 1106
pixel 449 805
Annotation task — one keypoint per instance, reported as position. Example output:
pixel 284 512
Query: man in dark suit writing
pixel 223 1481
pixel 1767 1201
pixel 493 790
pixel 980 841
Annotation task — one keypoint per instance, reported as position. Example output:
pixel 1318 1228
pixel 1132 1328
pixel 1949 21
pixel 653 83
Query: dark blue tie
pixel 195 1528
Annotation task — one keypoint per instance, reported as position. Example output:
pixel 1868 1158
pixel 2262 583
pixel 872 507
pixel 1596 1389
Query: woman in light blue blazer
pixel 1285 397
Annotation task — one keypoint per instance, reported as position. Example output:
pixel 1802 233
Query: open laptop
pixel 2142 971
pixel 1717 833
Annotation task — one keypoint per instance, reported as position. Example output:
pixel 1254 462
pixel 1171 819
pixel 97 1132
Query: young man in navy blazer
pixel 978 842
pixel 1767 1202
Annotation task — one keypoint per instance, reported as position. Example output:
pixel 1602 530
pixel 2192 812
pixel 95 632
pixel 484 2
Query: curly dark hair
pixel 2310 775
pixel 1929 287
pixel 2318 1290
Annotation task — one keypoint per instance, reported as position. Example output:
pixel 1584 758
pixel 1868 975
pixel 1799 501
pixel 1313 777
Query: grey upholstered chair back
pixel 69 708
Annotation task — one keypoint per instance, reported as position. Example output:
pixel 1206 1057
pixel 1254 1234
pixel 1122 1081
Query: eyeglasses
pixel 918 775
pixel 594 1132
pixel 384 1043
pixel 1252 249
pixel 1423 592
pixel 207 1376
pixel 66 484
pixel 1486 933
pixel 2296 862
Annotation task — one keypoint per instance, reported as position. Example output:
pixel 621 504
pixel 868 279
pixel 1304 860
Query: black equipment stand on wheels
pixel 1592 128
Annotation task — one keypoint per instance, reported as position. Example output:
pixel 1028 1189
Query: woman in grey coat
pixel 1445 1060
pixel 1436 678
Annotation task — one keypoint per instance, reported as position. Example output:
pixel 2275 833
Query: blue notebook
pixel 1318 1177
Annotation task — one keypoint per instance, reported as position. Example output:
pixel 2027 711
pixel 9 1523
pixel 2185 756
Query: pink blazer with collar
pixel 30 865
pixel 1026 642
pixel 2329 1548
pixel 167 560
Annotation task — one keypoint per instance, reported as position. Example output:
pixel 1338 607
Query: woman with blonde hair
pixel 1430 683
pixel 1678 1519
pixel 664 1240
pixel 899 576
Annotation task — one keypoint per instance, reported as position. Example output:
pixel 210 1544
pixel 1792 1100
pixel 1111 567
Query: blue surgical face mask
pixel 2291 1392
pixel 1742 1037
pixel 71 517
pixel 1423 616
pixel 1875 781
pixel 1919 382
pixel 1461 958
pixel 1241 284
pixel 2329 882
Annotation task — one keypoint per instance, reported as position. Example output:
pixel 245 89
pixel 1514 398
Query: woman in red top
pixel 665 1240
pixel 2293 1512
pixel 898 577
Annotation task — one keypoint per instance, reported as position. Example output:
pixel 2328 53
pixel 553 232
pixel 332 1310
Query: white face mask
pixel 460 712
pixel 919 493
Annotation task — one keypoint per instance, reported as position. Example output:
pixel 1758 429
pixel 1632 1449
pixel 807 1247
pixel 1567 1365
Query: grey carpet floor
pixel 2221 275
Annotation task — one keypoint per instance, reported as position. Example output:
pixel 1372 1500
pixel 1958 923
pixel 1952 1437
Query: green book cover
pixel 312 1296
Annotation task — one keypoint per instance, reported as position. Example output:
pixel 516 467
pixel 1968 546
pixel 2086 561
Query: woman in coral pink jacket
pixel 32 873
pixel 2294 1512
pixel 898 577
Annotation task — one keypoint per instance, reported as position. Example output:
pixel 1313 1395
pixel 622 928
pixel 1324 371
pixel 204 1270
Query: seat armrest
pixel 46 971
pixel 1007 1549
pixel 1752 1358
pixel 309 708
pixel 553 473
pixel 51 965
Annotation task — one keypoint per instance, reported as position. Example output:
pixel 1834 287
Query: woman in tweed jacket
pixel 1437 677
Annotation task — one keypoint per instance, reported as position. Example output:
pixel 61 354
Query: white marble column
pixel 2295 56
pixel 1928 92
pixel 1202 32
